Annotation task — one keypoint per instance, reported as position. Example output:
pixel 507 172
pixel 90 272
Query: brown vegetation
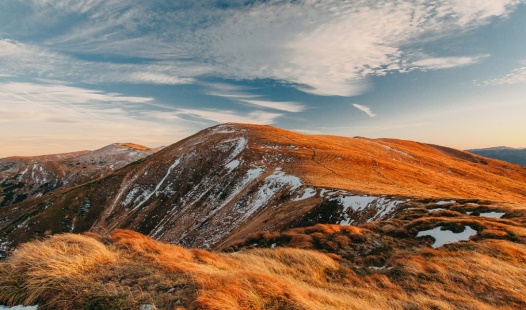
pixel 91 272
pixel 383 166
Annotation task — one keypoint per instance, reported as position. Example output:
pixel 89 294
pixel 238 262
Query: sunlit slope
pixel 392 167
pixel 225 182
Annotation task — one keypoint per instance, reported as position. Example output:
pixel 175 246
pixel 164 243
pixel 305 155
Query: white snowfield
pixel 19 307
pixel 447 236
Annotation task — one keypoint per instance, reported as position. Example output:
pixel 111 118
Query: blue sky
pixel 83 74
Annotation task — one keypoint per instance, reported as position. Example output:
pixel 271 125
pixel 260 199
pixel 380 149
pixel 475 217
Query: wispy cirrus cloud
pixel 64 93
pixel 365 109
pixel 241 95
pixel 516 76
pixel 33 61
pixel 51 102
pixel 288 106
pixel 227 116
pixel 321 47
pixel 436 63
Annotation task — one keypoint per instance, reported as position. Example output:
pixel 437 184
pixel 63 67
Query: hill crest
pixel 215 187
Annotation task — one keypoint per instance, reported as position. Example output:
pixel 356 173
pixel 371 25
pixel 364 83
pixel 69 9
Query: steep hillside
pixel 23 178
pixel 511 155
pixel 216 187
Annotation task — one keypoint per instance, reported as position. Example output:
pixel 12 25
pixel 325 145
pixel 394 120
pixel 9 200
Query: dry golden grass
pixel 389 166
pixel 134 146
pixel 90 272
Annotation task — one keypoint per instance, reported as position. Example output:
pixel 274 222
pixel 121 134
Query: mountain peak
pixel 230 180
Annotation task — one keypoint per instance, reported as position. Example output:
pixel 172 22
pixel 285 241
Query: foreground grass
pixel 122 272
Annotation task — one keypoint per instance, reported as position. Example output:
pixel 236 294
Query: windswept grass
pixel 91 272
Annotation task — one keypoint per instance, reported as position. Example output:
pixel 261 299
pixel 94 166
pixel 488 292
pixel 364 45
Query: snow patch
pixel 397 151
pixel 149 195
pixel 23 172
pixel 496 215
pixel 307 193
pixel 4 246
pixel 273 184
pixel 353 204
pixel 233 164
pixel 130 196
pixel 19 307
pixel 444 202
pixel 241 145
pixel 380 268
pixel 447 236
pixel 223 129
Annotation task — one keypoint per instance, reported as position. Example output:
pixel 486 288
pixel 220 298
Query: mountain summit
pixel 217 186
pixel 25 177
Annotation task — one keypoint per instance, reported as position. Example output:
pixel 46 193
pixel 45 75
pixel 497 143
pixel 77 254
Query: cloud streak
pixel 437 63
pixel 364 109
pixel 241 95
pixel 516 76
pixel 226 116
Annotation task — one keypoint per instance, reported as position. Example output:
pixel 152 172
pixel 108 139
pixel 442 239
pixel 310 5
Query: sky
pixel 82 74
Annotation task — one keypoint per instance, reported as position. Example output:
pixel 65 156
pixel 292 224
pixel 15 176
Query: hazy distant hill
pixel 511 155
pixel 26 177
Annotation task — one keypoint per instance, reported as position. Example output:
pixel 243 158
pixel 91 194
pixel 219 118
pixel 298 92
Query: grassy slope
pixel 318 267
pixel 392 167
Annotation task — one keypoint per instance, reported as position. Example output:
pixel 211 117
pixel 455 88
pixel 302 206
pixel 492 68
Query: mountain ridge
pixel 24 177
pixel 508 154
pixel 215 187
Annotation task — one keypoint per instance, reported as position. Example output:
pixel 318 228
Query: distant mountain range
pixel 28 177
pixel 214 188
pixel 511 155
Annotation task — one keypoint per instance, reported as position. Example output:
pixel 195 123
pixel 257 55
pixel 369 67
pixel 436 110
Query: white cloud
pixel 40 119
pixel 158 78
pixel 436 63
pixel 364 109
pixel 472 11
pixel 38 102
pixel 288 106
pixel 331 47
pixel 19 59
pixel 240 94
pixel 62 93
pixel 225 116
pixel 326 47
pixel 516 76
